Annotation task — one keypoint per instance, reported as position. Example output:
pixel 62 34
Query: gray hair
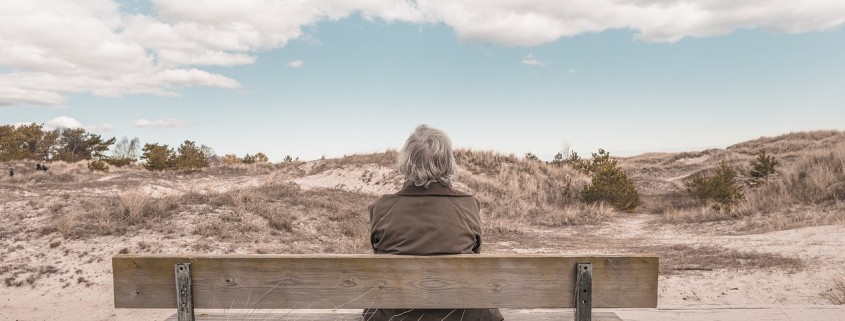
pixel 427 157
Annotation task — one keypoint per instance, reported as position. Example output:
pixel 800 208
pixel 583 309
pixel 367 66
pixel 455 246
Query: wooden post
pixel 184 296
pixel 583 291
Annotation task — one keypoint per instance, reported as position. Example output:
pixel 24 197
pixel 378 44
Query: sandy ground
pixel 73 281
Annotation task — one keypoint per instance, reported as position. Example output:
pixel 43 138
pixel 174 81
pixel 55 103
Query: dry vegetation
pixel 835 294
pixel 528 191
pixel 76 217
pixel 806 190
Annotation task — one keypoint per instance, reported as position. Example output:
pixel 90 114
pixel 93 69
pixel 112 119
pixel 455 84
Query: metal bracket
pixel 583 291
pixel 184 295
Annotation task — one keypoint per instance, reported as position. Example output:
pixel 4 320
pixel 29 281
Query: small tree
pixel 558 160
pixel 531 157
pixel 609 184
pixel 125 152
pixel 158 157
pixel 75 144
pixel 190 157
pixel 720 187
pixel 98 165
pixel 127 148
pixel 763 166
pixel 261 158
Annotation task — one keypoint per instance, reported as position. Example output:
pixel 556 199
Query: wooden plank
pixel 280 316
pixel 384 281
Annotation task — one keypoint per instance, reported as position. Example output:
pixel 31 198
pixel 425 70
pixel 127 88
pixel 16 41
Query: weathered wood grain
pixel 384 281
pixel 277 316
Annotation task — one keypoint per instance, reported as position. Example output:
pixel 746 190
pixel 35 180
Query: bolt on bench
pixel 335 281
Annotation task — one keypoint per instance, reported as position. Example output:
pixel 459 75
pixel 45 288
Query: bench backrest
pixel 384 281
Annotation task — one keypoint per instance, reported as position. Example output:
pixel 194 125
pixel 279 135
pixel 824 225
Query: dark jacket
pixel 420 221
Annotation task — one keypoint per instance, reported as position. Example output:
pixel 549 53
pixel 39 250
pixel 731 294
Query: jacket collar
pixel 434 189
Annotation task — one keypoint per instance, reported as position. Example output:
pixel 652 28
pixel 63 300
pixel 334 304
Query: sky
pixel 339 77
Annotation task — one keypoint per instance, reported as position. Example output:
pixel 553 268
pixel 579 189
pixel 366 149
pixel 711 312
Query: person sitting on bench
pixel 427 217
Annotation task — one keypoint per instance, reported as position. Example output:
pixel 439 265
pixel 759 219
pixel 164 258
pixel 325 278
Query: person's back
pixel 427 217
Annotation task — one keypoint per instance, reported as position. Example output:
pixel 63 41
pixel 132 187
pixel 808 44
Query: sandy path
pixel 821 248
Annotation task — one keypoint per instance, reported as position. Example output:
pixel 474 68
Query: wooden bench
pixel 274 282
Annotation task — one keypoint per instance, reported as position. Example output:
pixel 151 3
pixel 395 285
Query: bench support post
pixel 184 296
pixel 583 291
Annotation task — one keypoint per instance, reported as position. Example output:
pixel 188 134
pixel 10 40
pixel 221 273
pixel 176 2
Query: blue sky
pixel 358 84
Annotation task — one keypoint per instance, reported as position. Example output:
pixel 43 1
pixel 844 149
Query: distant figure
pixel 38 167
pixel 427 217
pixel 11 171
pixel 44 168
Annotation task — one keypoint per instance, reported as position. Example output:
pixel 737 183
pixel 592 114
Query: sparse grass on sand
pixel 835 291
pixel 811 191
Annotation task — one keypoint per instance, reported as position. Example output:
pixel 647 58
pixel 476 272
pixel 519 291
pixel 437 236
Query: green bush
pixel 98 165
pixel 190 157
pixel 261 158
pixel 158 157
pixel 609 184
pixel 720 187
pixel 118 162
pixel 763 166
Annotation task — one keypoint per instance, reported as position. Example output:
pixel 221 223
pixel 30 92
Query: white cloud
pixel 160 123
pixel 63 122
pixel 50 48
pixel 296 64
pixel 533 22
pixel 532 61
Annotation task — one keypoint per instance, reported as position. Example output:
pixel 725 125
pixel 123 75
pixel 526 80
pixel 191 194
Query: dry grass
pixel 811 193
pixel 387 159
pixel 701 214
pixel 527 191
pixel 835 291
pixel 795 142
pixel 668 203
pixel 575 214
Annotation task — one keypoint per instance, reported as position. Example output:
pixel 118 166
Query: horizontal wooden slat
pixel 278 316
pixel 384 281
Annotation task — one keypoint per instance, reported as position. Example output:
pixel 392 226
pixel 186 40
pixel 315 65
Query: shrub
pixel 118 162
pixel 98 165
pixel 720 187
pixel 261 158
pixel 190 158
pixel 835 293
pixel 763 166
pixel 609 184
pixel 231 159
pixel 248 159
pixel 158 157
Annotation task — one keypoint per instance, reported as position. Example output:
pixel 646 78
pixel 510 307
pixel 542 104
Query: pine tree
pixel 763 166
